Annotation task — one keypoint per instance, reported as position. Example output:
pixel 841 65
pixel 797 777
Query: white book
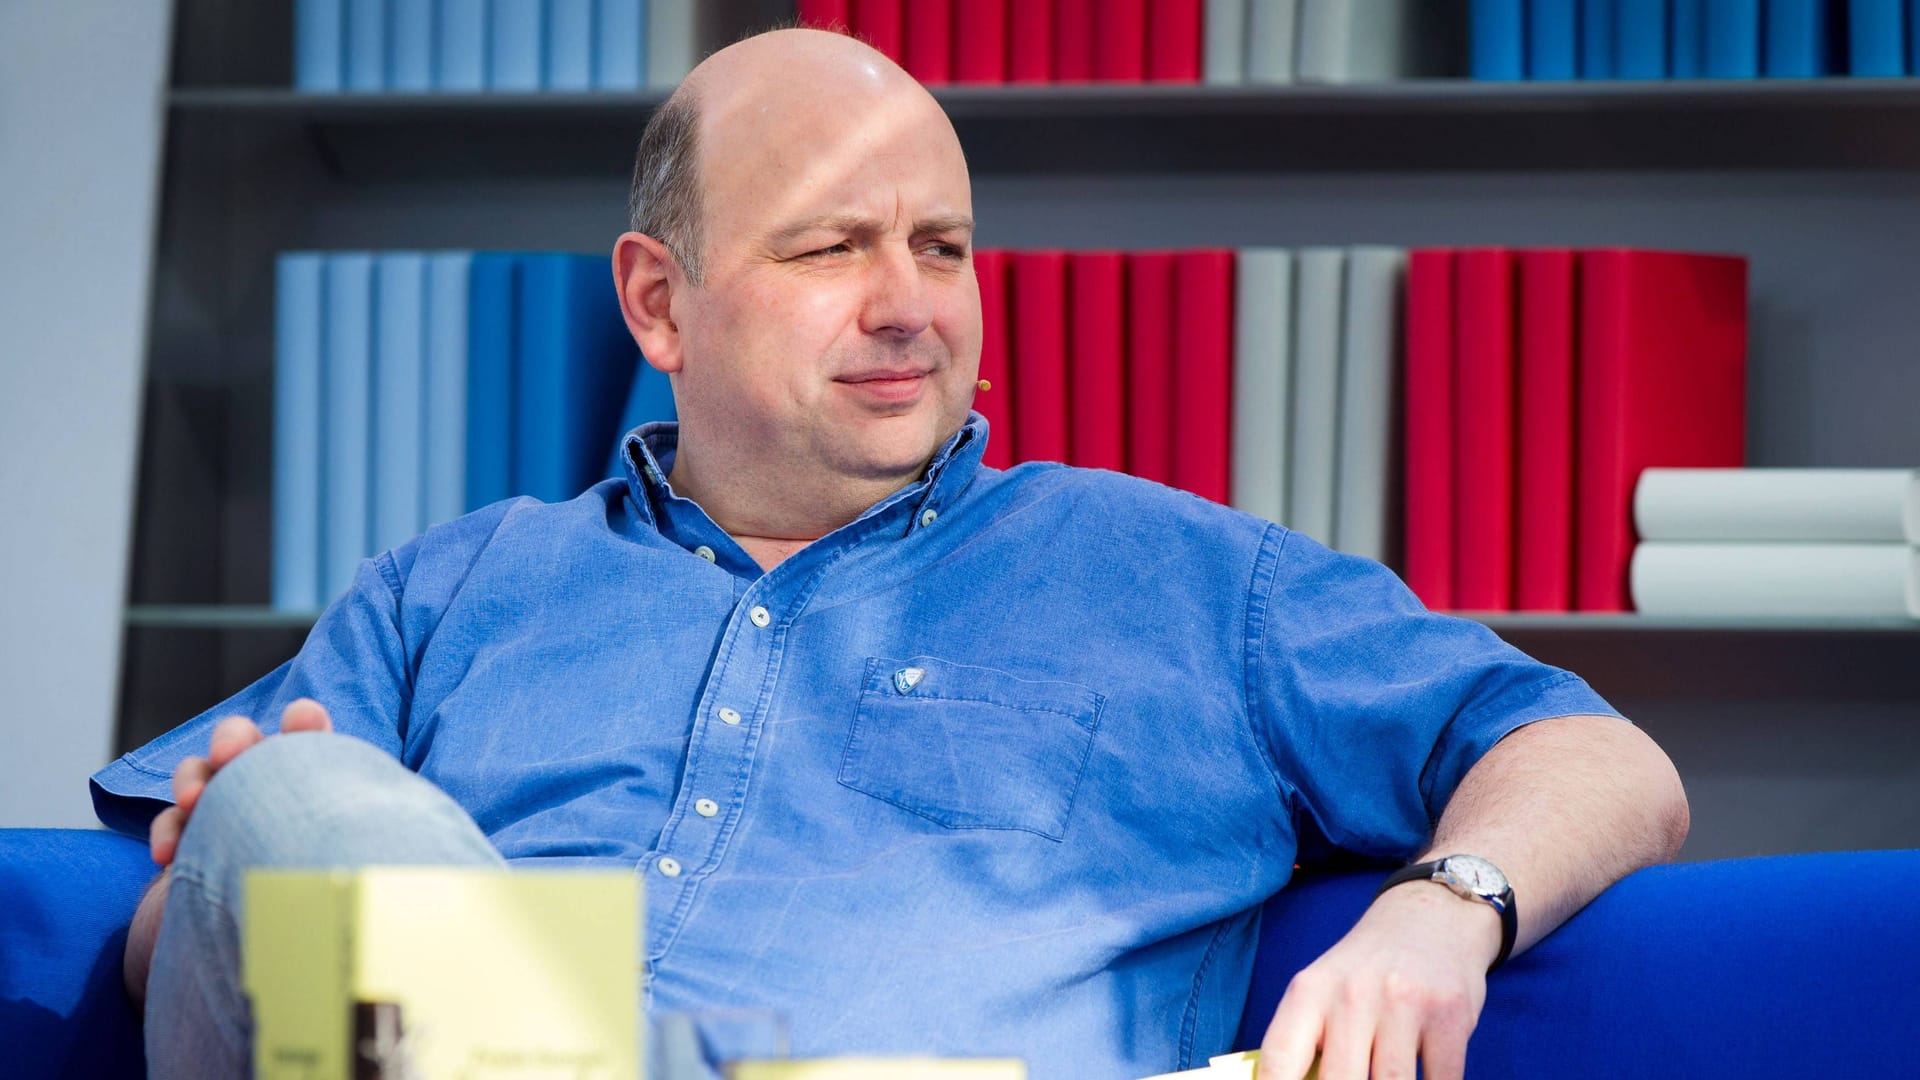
pixel 672 42
pixel 1779 504
pixel 1224 57
pixel 1777 580
pixel 1262 340
pixel 1344 41
pixel 1272 34
pixel 1318 301
pixel 1366 495
pixel 445 468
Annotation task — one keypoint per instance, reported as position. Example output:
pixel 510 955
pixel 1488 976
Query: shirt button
pixel 927 517
pixel 704 552
pixel 668 865
pixel 730 716
pixel 760 616
pixel 706 807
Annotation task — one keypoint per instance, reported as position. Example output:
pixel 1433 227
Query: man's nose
pixel 898 302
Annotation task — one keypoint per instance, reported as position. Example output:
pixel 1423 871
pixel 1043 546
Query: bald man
pixel 919 754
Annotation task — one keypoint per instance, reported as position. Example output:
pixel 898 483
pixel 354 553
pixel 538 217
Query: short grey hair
pixel 664 202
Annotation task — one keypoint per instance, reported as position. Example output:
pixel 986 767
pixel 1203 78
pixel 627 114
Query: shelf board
pixel 1398 126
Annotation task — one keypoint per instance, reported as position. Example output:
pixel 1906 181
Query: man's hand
pixel 230 737
pixel 1406 984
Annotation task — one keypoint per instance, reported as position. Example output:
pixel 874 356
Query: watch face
pixel 1474 874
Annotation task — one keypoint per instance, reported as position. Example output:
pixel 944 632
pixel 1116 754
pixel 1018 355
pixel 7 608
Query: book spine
pixel 1173 41
pixel 348 424
pixel 881 24
pixel 1202 395
pixel 929 45
pixel 996 402
pixel 399 407
pixel 619 45
pixel 1120 41
pixel 410 43
pixel 493 336
pixel 596 372
pixel 1325 49
pixel 1686 37
pixel 366 61
pixel 1224 57
pixel 1497 43
pixel 445 468
pixel 1732 39
pixel 1597 55
pixel 1795 38
pixel 1039 293
pixel 1791 505
pixel 1273 34
pixel 1262 409
pixel 1016 40
pixel 1543 540
pixel 1073 38
pixel 672 42
pixel 1876 38
pixel 516 45
pixel 1316 391
pixel 1150 350
pixel 1777 580
pixel 569 45
pixel 540 433
pixel 1553 40
pixel 1640 38
pixel 1096 377
pixel 461 66
pixel 1429 426
pixel 1365 465
pixel 1484 430
pixel 825 14
pixel 299 343
pixel 1913 37
pixel 319 45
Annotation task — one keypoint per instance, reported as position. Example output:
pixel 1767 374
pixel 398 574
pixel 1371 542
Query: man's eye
pixel 836 249
pixel 948 251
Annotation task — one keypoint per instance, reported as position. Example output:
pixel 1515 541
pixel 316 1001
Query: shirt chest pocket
pixel 971 747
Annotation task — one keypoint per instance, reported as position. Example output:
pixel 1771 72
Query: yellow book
pixel 880 1069
pixel 1237 1066
pixel 425 973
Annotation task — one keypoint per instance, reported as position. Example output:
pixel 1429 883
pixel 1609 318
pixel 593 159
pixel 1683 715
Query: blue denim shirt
pixel 1005 766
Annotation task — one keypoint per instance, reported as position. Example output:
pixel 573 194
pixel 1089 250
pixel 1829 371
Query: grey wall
pixel 81 111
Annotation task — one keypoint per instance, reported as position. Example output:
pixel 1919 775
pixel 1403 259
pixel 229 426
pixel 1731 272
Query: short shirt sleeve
pixel 353 662
pixel 1372 707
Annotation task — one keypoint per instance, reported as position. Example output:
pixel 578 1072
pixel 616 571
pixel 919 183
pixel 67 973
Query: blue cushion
pixel 66 897
pixel 1788 965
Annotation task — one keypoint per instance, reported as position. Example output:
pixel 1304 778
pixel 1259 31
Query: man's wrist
pixel 1470 878
pixel 1474 926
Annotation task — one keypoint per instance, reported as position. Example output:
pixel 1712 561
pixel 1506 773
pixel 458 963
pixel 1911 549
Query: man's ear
pixel 645 276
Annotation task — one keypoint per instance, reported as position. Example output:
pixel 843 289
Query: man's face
pixel 838 326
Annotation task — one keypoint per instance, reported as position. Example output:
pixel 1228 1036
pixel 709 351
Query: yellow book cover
pixel 436 973
pixel 852 1068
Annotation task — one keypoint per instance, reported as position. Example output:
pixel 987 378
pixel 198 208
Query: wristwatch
pixel 1474 878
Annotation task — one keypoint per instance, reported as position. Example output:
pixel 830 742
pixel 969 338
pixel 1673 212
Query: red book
pixel 825 14
pixel 1097 375
pixel 1203 391
pixel 1150 347
pixel 880 23
pixel 1120 41
pixel 980 40
pixel 1040 410
pixel 1030 42
pixel 1429 444
pixel 929 34
pixel 1073 40
pixel 1173 41
pixel 996 402
pixel 1543 527
pixel 1483 430
pixel 1663 377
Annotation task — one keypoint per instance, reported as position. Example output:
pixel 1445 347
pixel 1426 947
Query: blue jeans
pixel 303 800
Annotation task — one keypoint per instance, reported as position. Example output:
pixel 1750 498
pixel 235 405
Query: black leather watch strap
pixel 1509 921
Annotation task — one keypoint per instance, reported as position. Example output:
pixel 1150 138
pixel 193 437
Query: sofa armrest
pixel 1777 966
pixel 66 897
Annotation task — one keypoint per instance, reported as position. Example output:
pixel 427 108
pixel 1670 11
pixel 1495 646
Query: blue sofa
pixel 1778 966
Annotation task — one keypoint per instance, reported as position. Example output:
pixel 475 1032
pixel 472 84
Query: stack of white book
pixel 1809 543
pixel 1256 42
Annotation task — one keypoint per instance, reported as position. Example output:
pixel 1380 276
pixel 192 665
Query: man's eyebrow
pixel 854 223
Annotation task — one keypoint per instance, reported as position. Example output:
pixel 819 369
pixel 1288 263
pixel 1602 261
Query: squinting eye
pixel 834 250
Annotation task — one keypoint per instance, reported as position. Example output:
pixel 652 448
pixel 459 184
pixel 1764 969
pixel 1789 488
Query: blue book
pixel 493 336
pixel 1597 21
pixel 319 45
pixel 462 46
pixel 576 366
pixel 445 471
pixel 299 306
pixel 650 400
pixel 1640 39
pixel 366 69
pixel 1553 40
pixel 1795 33
pixel 1497 45
pixel 620 45
pixel 1876 38
pixel 1913 37
pixel 399 372
pixel 347 429
pixel 1732 33
pixel 516 45
pixel 410 46
pixel 1687 40
pixel 569 45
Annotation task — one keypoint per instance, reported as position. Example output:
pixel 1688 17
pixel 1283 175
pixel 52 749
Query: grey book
pixel 1367 496
pixel 1316 391
pixel 1224 59
pixel 1271 40
pixel 1262 381
pixel 1783 580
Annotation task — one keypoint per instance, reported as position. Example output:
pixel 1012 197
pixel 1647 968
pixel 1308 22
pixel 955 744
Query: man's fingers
pixel 163 836
pixel 1294 1035
pixel 1349 1039
pixel 1396 1037
pixel 1443 1051
pixel 305 714
pixel 230 737
pixel 189 780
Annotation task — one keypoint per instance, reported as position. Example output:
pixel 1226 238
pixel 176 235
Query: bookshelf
pixel 1819 182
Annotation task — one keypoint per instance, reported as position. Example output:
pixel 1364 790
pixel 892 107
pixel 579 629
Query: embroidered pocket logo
pixel 907 678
